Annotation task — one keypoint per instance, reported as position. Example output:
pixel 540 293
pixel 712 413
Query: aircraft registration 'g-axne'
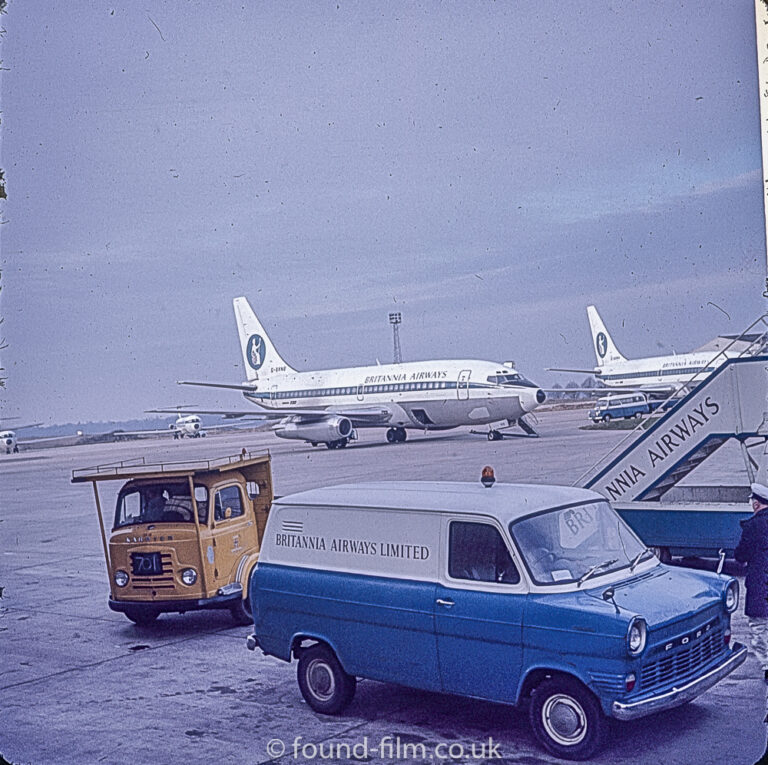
pixel 327 406
pixel 661 375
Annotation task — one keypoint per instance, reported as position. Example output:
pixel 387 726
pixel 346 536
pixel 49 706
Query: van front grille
pixel 684 656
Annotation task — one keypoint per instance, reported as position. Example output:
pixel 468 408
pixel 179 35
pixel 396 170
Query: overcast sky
pixel 488 169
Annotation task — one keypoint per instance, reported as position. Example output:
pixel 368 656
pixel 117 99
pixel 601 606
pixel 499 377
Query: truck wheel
pixel 241 612
pixel 567 719
pixel 142 616
pixel 324 684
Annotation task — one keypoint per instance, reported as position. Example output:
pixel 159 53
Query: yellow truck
pixel 184 535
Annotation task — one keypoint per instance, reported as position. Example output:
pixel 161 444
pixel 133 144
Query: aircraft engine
pixel 324 431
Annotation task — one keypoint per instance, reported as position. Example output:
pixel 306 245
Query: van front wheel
pixel 567 719
pixel 324 684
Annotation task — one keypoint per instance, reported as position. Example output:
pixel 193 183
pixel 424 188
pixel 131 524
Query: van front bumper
pixel 680 694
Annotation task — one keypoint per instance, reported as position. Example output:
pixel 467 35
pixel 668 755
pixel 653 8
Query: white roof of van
pixel 505 501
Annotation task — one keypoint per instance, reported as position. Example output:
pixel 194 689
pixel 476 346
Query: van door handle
pixel 446 603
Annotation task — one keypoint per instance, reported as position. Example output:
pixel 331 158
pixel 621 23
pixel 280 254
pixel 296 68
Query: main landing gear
pixel 396 435
pixel 339 443
pixel 495 435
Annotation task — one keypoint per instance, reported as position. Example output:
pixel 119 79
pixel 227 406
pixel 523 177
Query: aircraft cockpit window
pixel 511 378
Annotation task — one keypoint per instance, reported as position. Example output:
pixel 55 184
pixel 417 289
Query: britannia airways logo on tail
pixel 601 342
pixel 256 351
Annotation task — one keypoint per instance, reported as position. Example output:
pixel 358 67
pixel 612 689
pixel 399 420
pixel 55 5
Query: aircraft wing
pixel 359 416
pixel 226 414
pixel 14 428
pixel 30 441
pixel 149 432
pixel 229 386
pixel 593 371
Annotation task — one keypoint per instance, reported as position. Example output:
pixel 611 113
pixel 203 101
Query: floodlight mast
pixel 395 319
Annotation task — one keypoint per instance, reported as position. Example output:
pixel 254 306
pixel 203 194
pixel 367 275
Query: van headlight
pixel 189 576
pixel 636 635
pixel 121 578
pixel 731 596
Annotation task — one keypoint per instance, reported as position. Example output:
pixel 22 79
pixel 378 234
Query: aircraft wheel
pixel 392 435
pixel 314 443
pixel 15 449
pixel 402 434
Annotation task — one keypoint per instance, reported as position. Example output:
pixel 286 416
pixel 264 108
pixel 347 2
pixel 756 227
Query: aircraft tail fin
pixel 259 355
pixel 605 349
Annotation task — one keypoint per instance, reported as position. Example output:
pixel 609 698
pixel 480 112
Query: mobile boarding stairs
pixel 641 479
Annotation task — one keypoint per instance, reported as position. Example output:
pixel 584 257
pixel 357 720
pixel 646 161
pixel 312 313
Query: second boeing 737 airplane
pixel 658 376
pixel 327 406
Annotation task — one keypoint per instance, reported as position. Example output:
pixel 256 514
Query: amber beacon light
pixel 487 478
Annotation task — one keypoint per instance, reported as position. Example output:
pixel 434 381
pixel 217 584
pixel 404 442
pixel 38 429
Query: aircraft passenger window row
pixel 349 391
pixel 658 373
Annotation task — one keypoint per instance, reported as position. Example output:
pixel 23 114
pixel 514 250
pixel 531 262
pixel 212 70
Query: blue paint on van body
pixel 487 644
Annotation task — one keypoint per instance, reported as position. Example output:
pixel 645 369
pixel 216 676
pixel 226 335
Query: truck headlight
pixel 731 596
pixel 121 578
pixel 189 576
pixel 636 635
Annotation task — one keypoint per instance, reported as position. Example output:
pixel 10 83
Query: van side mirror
pixel 721 562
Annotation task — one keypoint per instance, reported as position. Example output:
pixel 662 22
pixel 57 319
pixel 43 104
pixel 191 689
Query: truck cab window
pixel 476 551
pixel 160 503
pixel 227 504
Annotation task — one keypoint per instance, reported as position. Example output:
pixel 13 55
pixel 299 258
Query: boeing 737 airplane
pixel 327 406
pixel 658 376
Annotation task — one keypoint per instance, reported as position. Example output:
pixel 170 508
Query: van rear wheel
pixel 567 718
pixel 324 684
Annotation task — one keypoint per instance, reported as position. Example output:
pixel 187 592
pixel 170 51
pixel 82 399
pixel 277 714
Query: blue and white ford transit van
pixel 533 595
